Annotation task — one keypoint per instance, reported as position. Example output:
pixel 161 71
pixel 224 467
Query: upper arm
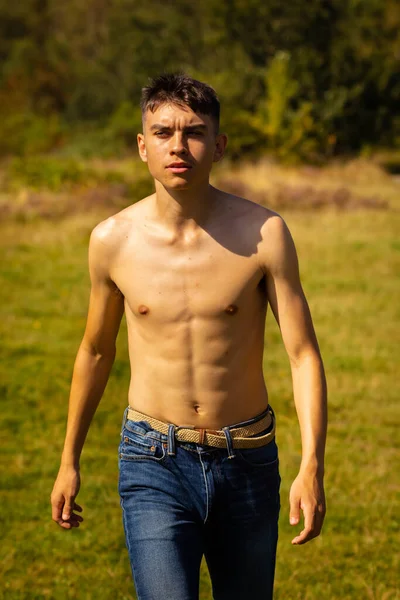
pixel 280 265
pixel 106 303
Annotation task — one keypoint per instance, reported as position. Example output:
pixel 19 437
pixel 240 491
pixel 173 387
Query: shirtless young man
pixel 194 268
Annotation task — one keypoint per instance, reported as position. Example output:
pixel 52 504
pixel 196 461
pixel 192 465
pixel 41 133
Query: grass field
pixel 350 266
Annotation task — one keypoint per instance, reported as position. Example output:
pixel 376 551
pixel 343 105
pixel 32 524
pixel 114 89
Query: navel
pixel 143 309
pixel 231 309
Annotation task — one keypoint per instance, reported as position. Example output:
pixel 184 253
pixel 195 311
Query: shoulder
pixel 274 228
pixel 106 233
pixel 107 239
pixel 263 226
pixel 103 243
pixel 102 246
pixel 110 234
pixel 248 210
pixel 112 228
pixel 269 223
pixel 276 249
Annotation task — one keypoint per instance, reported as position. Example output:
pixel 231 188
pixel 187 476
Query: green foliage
pixel 55 174
pixel 126 123
pixel 91 140
pixel 40 172
pixel 327 69
pixel 300 141
pixel 242 131
pixel 25 133
pixel 281 88
pixel 288 130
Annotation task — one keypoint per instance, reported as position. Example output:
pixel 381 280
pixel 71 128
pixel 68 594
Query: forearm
pixel 310 395
pixel 89 379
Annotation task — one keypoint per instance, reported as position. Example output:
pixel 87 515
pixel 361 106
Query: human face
pixel 179 146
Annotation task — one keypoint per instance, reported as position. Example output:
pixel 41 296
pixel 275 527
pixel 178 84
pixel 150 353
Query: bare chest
pixel 171 284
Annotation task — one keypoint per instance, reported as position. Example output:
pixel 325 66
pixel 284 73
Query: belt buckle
pixel 200 429
pixel 203 431
pixel 201 441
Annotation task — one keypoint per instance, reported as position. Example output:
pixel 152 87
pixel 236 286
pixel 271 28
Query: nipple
pixel 231 309
pixel 143 309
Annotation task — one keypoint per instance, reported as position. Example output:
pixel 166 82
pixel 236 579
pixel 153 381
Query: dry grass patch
pixel 56 189
pixel 357 184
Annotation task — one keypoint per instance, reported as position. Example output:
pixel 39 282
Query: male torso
pixel 195 308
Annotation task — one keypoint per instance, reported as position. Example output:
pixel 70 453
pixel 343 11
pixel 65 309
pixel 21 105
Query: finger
pixel 74 524
pixel 309 527
pixel 78 507
pixel 56 510
pixel 319 520
pixel 67 510
pixel 78 518
pixel 321 510
pixel 74 517
pixel 294 515
pixel 73 521
pixel 317 516
pixel 66 524
pixel 304 536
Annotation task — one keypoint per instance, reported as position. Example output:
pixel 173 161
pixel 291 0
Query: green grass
pixel 350 263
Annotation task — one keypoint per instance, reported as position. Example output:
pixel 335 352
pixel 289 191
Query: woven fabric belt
pixel 214 437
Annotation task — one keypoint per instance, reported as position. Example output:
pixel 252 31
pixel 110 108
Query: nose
pixel 178 143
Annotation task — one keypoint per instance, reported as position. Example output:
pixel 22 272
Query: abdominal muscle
pixel 195 311
pixel 200 372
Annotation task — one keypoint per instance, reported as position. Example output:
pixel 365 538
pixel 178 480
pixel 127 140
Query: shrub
pixel 125 123
pixel 25 133
pixel 55 174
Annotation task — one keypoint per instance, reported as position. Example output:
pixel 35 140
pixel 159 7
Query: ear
pixel 142 147
pixel 220 145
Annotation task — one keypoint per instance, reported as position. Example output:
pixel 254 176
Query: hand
pixel 307 494
pixel 63 496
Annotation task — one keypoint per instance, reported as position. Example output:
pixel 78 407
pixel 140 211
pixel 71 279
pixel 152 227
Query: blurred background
pixel 310 98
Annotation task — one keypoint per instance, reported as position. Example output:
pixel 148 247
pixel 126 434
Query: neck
pixel 184 210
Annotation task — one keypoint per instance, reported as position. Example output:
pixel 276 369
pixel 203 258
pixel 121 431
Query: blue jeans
pixel 198 500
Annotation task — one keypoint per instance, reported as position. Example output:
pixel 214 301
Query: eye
pixel 161 133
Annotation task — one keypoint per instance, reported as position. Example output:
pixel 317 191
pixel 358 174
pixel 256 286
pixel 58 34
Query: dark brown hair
pixel 178 88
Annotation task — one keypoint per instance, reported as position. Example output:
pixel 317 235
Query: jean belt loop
pixel 171 439
pixel 229 443
pixel 124 419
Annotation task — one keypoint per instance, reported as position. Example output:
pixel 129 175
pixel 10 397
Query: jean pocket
pixel 136 445
pixel 261 457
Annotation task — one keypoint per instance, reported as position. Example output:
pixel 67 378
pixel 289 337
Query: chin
pixel 176 183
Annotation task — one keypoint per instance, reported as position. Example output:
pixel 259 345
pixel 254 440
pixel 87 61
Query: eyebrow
pixel 194 126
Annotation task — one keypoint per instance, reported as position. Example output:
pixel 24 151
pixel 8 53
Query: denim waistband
pixel 226 429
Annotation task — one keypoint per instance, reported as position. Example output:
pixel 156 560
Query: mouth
pixel 179 167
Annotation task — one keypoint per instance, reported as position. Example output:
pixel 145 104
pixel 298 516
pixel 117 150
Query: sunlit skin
pixel 173 133
pixel 194 269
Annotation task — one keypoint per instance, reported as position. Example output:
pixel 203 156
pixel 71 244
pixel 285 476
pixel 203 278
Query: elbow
pixel 310 356
pixel 99 352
